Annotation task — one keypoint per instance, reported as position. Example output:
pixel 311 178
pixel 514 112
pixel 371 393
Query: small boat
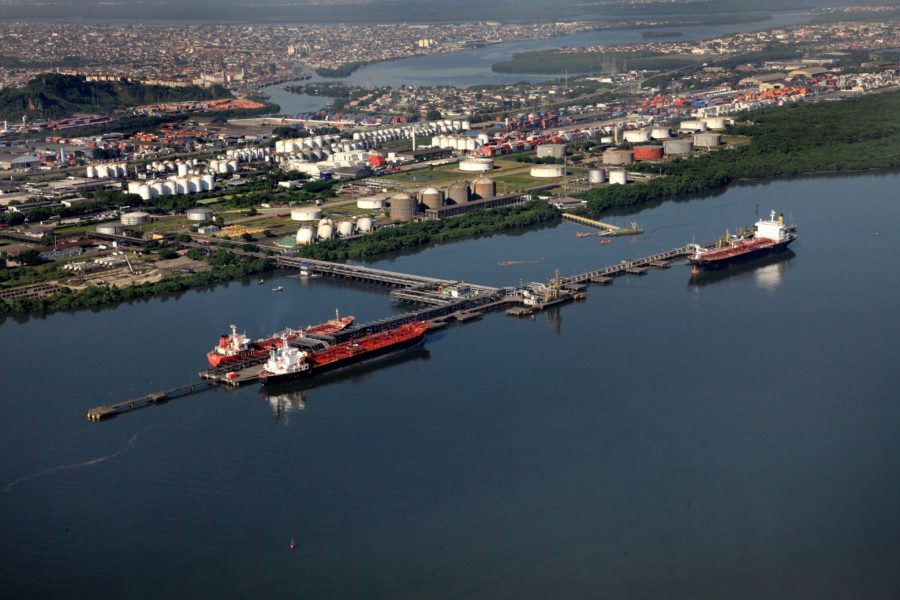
pixel 280 288
pixel 261 281
pixel 605 242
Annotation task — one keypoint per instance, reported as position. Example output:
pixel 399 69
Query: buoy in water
pixel 293 544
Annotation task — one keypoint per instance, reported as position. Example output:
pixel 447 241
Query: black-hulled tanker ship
pixel 768 236
pixel 286 362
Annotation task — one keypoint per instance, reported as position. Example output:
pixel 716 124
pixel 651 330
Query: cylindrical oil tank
pixel 232 166
pixel 134 187
pixel 648 152
pixel 110 228
pixel 596 176
pixel 679 147
pixel 458 192
pixel 618 157
pixel 692 125
pixel 635 136
pixel 476 165
pixel 716 123
pixel 102 171
pixel 607 139
pixel 484 188
pixel 222 167
pixel 403 207
pixel 306 213
pixel 346 228
pixel 325 231
pixel 370 203
pixel 618 176
pixel 182 169
pixel 207 182
pixel 707 140
pixel 135 218
pixel 144 192
pixel 181 185
pixel 548 171
pixel 364 224
pixel 91 171
pixel 660 133
pixel 305 236
pixel 157 189
pixel 169 188
pixel 551 151
pixel 432 197
pixel 326 221
pixel 193 185
pixel 199 214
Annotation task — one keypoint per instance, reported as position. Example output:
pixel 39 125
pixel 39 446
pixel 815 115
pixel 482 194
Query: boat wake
pixel 80 465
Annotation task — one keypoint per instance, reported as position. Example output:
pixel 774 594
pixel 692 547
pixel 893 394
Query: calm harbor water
pixel 473 67
pixel 732 438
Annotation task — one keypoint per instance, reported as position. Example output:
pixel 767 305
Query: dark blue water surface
pixel 737 437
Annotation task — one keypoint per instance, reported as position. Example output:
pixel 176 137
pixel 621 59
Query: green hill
pixel 53 96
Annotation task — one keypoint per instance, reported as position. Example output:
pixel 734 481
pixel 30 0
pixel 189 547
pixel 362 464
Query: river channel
pixel 473 67
pixel 732 437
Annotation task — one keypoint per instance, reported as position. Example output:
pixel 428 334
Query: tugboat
pixel 768 236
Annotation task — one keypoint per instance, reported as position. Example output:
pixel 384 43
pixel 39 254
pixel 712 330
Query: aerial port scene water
pixel 362 302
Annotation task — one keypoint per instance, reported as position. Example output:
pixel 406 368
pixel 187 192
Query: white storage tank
pixel 707 140
pixel 194 185
pixel 199 214
pixel 596 176
pixel 637 135
pixel 110 228
pixel 716 123
pixel 102 171
pixel 692 125
pixel 370 203
pixel 232 166
pixel 157 189
pixel 182 169
pixel 346 228
pixel 306 213
pixel 135 218
pixel 618 176
pixel 325 231
pixel 169 188
pixel 305 236
pixel 365 224
pixel 476 165
pixel 551 151
pixel 222 167
pixel 134 187
pixel 545 171
pixel 678 147
pixel 144 191
pixel 207 182
pixel 660 133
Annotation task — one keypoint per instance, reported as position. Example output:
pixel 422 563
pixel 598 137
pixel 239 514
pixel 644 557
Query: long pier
pixel 100 413
pixel 444 299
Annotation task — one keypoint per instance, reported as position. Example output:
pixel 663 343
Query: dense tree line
pixel 853 135
pixel 411 235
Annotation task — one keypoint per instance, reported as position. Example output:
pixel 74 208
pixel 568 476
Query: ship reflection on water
pixel 292 396
pixel 768 271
